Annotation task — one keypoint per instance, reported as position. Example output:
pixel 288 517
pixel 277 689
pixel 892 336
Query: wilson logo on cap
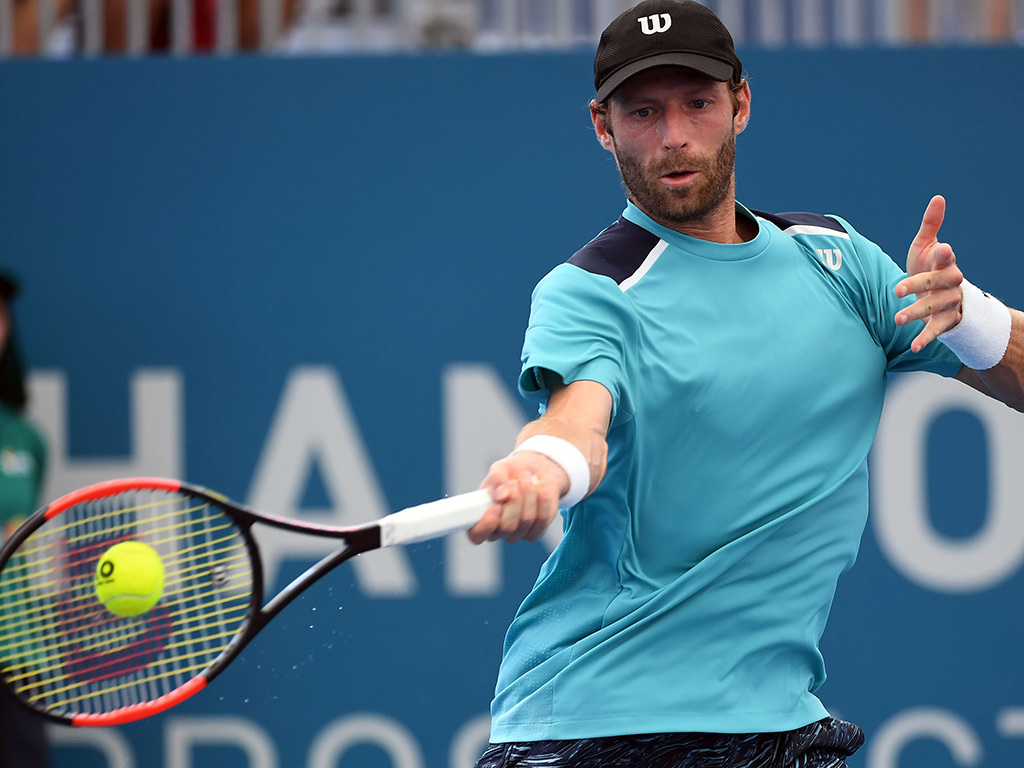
pixel 687 35
pixel 655 23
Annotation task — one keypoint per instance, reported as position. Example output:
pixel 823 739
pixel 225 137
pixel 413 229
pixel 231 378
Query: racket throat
pixel 359 540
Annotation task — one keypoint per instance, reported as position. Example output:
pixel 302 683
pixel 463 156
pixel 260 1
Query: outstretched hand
pixel 933 277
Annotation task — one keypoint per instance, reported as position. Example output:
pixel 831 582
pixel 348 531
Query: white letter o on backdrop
pixel 900 502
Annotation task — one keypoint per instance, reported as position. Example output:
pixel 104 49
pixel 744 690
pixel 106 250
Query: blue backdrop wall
pixel 304 283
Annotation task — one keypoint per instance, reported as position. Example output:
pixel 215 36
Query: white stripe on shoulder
pixel 647 263
pixel 809 229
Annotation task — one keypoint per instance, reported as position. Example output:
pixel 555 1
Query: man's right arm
pixel 527 486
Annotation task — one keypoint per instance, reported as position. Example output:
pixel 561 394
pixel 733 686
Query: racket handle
pixel 433 519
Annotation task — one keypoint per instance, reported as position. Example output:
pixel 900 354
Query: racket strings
pixel 42 539
pixel 52 641
pixel 62 651
pixel 187 616
pixel 30 607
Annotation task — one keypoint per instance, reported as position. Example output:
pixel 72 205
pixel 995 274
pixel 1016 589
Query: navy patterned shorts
pixel 825 744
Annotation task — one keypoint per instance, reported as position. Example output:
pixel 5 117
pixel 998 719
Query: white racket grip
pixel 434 519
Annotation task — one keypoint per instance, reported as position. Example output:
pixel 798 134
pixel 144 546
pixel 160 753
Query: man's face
pixel 673 134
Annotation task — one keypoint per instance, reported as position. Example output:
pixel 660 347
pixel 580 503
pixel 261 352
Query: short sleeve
pixel 582 328
pixel 877 275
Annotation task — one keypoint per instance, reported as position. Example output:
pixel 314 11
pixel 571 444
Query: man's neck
pixel 725 224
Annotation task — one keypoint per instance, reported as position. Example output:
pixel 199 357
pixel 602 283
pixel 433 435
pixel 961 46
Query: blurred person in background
pixel 204 24
pixel 22 461
pixel 26 20
pixel 25 25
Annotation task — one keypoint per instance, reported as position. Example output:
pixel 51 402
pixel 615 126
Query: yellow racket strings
pixel 62 650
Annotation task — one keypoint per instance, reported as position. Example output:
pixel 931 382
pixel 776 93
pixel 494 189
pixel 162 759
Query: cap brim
pixel 713 68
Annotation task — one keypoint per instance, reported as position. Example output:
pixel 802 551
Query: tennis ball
pixel 129 578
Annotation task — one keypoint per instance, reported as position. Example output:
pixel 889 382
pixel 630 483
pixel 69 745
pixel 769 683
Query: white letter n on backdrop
pixel 481 420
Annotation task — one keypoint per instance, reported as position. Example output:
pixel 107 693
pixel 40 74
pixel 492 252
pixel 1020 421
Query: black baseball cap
pixel 655 33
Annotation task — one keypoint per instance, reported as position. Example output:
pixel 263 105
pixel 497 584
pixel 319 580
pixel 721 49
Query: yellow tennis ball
pixel 129 578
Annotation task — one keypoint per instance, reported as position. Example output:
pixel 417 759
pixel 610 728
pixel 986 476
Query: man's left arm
pixel 1005 380
pixel 991 338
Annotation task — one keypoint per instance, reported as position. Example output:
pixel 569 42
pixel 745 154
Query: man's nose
pixel 674 129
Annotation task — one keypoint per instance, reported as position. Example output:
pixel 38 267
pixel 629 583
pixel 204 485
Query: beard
pixel 675 206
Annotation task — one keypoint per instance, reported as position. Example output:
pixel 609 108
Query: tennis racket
pixel 67 657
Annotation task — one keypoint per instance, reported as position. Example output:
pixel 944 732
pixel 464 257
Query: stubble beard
pixel 685 205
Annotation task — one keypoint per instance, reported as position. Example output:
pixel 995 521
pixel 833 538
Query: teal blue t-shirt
pixel 22 463
pixel 691 588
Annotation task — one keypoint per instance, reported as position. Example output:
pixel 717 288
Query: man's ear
pixel 743 110
pixel 599 117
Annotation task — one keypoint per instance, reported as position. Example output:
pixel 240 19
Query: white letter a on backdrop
pixel 314 425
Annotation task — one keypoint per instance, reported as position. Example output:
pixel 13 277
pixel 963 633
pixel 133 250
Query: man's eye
pixel 701 104
pixel 644 112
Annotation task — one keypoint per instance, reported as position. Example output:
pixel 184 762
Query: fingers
pixel 931 304
pixel 931 222
pixel 519 511
pixel 920 253
pixel 937 324
pixel 933 277
pixel 938 317
pixel 930 333
pixel 526 488
pixel 526 516
pixel 942 273
pixel 521 514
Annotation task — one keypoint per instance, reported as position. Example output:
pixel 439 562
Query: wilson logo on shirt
pixel 655 23
pixel 831 258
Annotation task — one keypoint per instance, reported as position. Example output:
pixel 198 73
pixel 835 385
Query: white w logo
pixel 831 258
pixel 656 22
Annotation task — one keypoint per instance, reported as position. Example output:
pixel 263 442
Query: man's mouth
pixel 678 178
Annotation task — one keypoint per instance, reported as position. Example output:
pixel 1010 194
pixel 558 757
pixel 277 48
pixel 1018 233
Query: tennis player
pixel 710 380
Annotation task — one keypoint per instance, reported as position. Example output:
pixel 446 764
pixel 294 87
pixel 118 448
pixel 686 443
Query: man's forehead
pixel 666 76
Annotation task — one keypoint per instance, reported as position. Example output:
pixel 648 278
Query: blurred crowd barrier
pixel 70 28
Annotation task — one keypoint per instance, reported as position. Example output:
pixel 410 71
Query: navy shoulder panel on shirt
pixel 617 252
pixel 797 219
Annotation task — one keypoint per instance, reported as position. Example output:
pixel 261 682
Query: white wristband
pixel 569 458
pixel 981 337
